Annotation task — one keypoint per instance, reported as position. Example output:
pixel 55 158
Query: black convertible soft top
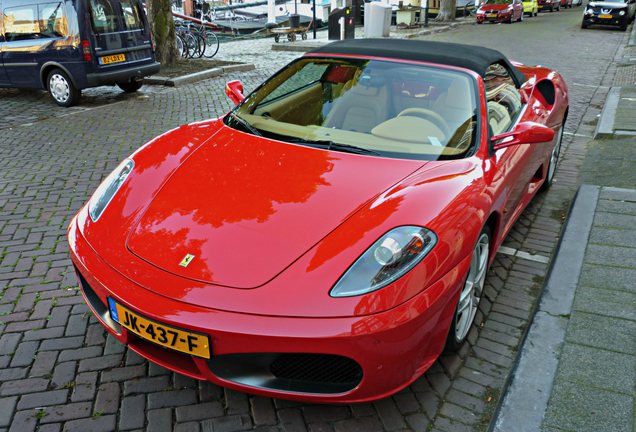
pixel 471 57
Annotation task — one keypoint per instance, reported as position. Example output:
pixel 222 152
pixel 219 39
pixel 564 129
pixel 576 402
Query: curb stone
pixel 198 76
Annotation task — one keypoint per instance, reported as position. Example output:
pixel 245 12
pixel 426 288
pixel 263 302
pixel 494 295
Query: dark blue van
pixel 65 46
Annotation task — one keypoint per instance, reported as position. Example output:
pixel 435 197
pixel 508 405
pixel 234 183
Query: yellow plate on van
pixel 112 59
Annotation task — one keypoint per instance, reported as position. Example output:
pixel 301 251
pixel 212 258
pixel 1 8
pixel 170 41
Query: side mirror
pixel 524 133
pixel 234 90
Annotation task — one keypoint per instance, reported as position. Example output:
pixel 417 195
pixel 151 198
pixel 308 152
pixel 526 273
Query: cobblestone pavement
pixel 60 371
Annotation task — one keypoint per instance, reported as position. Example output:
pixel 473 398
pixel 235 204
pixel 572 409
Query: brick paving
pixel 59 371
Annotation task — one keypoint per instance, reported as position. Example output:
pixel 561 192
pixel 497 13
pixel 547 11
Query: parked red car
pixel 327 238
pixel 500 10
pixel 566 4
pixel 550 5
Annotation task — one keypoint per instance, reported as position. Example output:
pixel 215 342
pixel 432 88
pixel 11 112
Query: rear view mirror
pixel 234 90
pixel 524 133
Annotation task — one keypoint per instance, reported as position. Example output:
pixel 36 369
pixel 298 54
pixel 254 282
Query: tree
pixel 447 10
pixel 162 27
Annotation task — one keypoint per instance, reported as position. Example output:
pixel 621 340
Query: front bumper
pixel 122 75
pixel 373 355
pixel 499 17
pixel 615 20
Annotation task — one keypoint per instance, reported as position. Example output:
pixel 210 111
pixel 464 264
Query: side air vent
pixel 546 88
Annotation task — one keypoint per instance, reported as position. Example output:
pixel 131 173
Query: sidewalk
pixel 575 370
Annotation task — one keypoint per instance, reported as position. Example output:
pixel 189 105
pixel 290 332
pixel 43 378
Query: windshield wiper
pixel 246 125
pixel 330 145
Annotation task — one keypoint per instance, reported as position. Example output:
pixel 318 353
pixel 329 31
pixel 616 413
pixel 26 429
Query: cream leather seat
pixel 363 105
pixel 454 104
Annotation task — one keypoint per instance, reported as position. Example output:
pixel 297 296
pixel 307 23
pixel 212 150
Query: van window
pixel 132 14
pixel 52 20
pixel 35 22
pixel 21 23
pixel 103 16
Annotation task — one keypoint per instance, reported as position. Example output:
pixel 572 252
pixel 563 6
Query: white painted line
pixel 530 257
pixel 523 255
pixel 578 135
pixel 588 85
pixel 506 250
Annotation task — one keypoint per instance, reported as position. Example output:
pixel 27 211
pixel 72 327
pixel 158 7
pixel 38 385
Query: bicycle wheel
pixel 199 47
pixel 211 44
pixel 190 44
pixel 180 46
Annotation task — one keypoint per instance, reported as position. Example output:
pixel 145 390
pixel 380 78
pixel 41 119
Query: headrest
pixel 458 96
pixel 368 85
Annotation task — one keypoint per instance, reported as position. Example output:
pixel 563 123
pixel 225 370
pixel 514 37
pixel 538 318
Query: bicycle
pixel 210 38
pixel 193 43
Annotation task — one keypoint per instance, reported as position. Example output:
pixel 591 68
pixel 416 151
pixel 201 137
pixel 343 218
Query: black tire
pixel 131 87
pixel 276 38
pixel 536 13
pixel 623 27
pixel 180 46
pixel 62 89
pixel 554 161
pixel 583 25
pixel 520 18
pixel 211 44
pixel 471 293
pixel 480 22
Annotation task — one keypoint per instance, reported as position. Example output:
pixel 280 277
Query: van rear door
pixel 121 34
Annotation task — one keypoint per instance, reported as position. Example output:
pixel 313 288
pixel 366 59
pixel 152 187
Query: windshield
pixel 382 108
pixel 497 2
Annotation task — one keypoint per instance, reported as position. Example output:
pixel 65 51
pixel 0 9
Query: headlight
pixel 621 13
pixel 388 259
pixel 589 12
pixel 109 187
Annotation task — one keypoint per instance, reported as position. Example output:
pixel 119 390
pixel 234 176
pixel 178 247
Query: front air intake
pixel 291 372
pixel 324 368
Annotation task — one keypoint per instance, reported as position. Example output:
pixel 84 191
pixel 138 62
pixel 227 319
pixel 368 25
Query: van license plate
pixel 184 341
pixel 112 59
pixel 605 16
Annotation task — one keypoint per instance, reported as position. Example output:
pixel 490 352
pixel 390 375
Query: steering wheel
pixel 432 116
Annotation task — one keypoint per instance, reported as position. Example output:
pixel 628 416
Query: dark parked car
pixel 65 46
pixel 610 13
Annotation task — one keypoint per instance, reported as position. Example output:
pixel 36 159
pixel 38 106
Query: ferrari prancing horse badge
pixel 185 261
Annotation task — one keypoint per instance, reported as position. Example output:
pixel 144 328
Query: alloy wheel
pixel 471 293
pixel 554 157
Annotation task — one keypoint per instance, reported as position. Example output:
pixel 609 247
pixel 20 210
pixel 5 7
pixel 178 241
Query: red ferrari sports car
pixel 329 237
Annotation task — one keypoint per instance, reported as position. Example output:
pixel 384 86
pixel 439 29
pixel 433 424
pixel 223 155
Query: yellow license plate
pixel 492 15
pixel 112 59
pixel 605 16
pixel 184 341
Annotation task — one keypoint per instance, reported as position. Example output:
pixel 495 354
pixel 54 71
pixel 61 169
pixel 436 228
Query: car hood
pixel 608 5
pixel 496 7
pixel 244 207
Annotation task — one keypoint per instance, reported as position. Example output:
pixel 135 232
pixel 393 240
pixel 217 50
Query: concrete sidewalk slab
pixel 576 367
pixel 526 397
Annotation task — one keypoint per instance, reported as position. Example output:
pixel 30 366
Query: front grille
pixel 323 368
